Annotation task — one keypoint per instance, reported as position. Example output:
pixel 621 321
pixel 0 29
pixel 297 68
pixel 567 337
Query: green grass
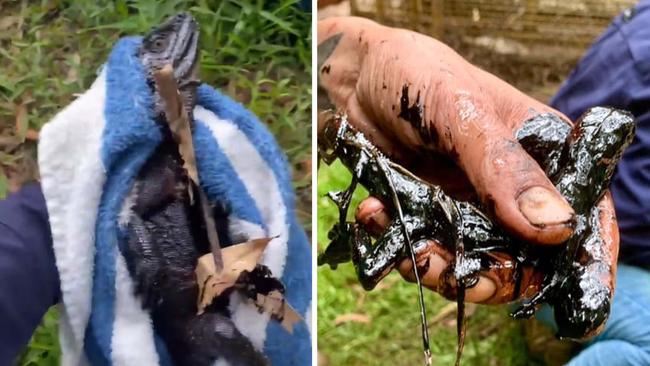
pixel 256 51
pixel 392 337
pixel 51 50
pixel 43 349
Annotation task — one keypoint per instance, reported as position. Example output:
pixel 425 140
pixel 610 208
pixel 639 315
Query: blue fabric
pixel 259 136
pixel 294 350
pixel 128 119
pixel 615 72
pixel 219 179
pixel 29 280
pixel 129 137
pixel 279 347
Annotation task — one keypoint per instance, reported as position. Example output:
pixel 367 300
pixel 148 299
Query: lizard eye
pixel 159 44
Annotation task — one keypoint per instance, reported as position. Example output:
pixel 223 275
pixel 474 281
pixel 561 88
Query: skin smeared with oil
pixel 579 161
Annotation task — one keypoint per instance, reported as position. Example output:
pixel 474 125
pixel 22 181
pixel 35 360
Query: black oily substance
pixel 579 161
pixel 166 232
pixel 326 69
pixel 580 298
pixel 414 115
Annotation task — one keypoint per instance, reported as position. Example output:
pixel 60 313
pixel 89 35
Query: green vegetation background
pixel 258 52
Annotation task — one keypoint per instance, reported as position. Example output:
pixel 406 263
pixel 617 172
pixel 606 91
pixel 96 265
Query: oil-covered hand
pixel 452 124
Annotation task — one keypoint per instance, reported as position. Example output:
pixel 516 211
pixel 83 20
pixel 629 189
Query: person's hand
pixel 452 124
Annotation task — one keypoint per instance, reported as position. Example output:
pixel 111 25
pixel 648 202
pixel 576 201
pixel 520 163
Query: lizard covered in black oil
pixel 166 233
pixel 580 161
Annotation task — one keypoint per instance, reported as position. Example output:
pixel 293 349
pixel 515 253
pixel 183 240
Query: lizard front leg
pixel 374 261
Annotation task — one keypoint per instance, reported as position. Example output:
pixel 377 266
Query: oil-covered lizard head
pixel 173 42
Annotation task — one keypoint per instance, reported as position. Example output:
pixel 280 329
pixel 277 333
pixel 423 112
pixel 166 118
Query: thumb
pixel 514 188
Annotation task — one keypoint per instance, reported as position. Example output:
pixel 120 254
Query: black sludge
pixel 165 240
pixel 166 233
pixel 580 161
pixel 544 138
pixel 579 288
pixel 584 299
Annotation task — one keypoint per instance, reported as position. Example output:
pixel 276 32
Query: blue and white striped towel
pixel 89 155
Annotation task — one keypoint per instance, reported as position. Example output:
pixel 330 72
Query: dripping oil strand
pixel 409 245
pixel 461 320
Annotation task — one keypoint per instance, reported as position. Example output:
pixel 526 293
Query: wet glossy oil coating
pixel 422 211
pixel 580 165
pixel 166 232
pixel 544 137
pixel 580 287
pixel 428 213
